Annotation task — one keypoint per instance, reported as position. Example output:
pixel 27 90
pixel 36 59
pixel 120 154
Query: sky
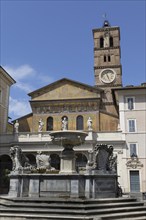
pixel 42 41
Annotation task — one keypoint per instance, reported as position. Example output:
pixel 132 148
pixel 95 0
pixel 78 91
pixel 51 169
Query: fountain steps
pixel 29 208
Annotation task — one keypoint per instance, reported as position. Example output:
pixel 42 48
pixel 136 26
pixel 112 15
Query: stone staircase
pixel 71 209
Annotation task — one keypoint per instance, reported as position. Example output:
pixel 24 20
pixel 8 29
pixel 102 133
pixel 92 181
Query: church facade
pixel 78 103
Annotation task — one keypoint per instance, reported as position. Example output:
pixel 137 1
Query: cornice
pixel 106 48
pixel 105 29
pixel 105 67
pixel 110 85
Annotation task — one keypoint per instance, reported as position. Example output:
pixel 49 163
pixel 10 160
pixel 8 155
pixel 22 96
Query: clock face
pixel 107 75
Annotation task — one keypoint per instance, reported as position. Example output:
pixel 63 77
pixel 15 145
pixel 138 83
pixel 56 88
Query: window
pixel 101 42
pixel 109 58
pixel 79 122
pixel 131 125
pixel 49 124
pixel 111 42
pixel 104 58
pixel 133 149
pixel 130 103
pixel 134 181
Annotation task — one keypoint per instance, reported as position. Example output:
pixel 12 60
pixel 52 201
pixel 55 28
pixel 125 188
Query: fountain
pixel 98 181
pixel 68 139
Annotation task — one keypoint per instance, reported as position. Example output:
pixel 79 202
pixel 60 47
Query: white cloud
pixel 27 80
pixel 26 77
pixel 26 87
pixel 21 72
pixel 18 108
pixel 45 79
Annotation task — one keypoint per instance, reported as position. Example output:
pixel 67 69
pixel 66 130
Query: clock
pixel 107 75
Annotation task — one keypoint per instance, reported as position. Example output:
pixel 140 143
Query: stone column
pixel 67 161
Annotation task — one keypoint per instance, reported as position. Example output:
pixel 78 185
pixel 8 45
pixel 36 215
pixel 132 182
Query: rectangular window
pixel 134 181
pixel 133 149
pixel 109 59
pixel 130 102
pixel 131 125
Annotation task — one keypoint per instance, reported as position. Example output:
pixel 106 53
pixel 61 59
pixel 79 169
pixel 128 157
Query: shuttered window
pixel 131 125
pixel 133 149
pixel 134 181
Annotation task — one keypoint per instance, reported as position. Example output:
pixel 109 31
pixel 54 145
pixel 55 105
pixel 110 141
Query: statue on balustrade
pixel 64 124
pixel 89 124
pixel 41 125
pixel 16 127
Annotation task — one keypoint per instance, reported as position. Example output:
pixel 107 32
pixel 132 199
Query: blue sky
pixel 44 41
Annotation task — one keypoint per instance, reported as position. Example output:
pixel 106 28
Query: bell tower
pixel 107 63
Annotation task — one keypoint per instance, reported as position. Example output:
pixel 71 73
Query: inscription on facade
pixel 66 108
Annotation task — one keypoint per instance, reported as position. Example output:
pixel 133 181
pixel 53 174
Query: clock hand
pixel 108 76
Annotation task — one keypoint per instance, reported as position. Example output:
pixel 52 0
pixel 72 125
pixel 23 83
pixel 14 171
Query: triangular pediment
pixel 65 89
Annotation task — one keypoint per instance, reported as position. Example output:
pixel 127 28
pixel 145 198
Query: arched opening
pixel 55 161
pixel 5 168
pixel 49 124
pixel 111 42
pixel 101 42
pixel 80 123
pixel 32 159
pixel 81 161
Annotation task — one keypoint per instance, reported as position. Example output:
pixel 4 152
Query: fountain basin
pixel 68 138
pixel 63 186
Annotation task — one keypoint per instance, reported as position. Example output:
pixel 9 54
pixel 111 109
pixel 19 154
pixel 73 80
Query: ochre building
pixel 77 101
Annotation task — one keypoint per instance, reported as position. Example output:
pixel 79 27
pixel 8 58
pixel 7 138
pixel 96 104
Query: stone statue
pixel 43 161
pixel 20 161
pixel 89 124
pixel 16 127
pixel 89 164
pixel 41 124
pixel 113 163
pixel 104 159
pixel 64 124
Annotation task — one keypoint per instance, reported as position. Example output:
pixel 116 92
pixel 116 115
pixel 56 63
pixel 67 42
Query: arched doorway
pixel 55 161
pixel 81 161
pixel 32 159
pixel 5 168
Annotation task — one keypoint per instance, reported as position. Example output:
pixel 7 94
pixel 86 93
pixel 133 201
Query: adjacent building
pixel 5 83
pixel 131 102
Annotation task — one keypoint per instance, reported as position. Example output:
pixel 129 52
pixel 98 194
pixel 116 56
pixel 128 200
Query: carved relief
pixel 82 107
pixel 134 163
